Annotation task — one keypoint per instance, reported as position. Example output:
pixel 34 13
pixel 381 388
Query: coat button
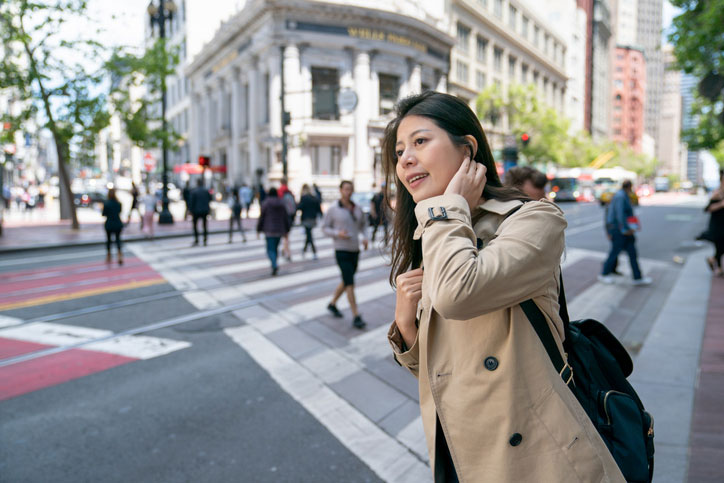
pixel 491 363
pixel 516 439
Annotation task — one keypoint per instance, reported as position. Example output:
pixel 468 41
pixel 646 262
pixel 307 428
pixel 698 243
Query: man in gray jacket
pixel 345 222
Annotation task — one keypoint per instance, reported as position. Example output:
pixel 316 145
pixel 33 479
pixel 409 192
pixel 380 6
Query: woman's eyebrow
pixel 415 132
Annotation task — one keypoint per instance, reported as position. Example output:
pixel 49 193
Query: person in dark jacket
pixel 134 204
pixel 113 225
pixel 274 223
pixel 622 224
pixel 187 199
pixel 200 208
pixel 715 232
pixel 310 209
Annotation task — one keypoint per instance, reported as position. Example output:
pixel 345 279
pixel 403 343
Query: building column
pixel 235 170
pixel 294 105
pixel 253 108
pixel 209 123
pixel 194 131
pixel 362 153
pixel 442 82
pixel 414 80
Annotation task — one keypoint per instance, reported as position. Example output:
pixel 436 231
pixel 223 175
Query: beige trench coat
pixel 506 414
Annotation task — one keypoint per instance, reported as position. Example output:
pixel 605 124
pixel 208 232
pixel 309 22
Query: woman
pixel 274 222
pixel 715 232
pixel 465 252
pixel 235 217
pixel 149 202
pixel 113 225
pixel 311 209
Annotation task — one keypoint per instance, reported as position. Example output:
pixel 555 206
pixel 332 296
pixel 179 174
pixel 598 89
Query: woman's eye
pixel 420 140
pixel 399 153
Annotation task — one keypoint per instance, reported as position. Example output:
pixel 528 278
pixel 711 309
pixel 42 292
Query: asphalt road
pixel 206 412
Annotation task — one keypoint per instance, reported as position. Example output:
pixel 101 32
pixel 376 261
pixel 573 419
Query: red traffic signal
pixel 204 161
pixel 524 139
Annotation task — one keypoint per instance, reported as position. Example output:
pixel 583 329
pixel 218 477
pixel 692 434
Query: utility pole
pixel 286 118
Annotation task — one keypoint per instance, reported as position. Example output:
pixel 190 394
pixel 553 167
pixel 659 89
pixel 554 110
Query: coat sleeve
pixel 327 227
pixel 516 265
pixel 260 221
pixel 408 358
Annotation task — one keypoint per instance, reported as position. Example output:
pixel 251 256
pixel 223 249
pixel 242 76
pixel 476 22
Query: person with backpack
pixel 310 210
pixel 465 253
pixel 274 223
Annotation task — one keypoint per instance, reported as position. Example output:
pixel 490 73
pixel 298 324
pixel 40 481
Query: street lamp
pixel 159 14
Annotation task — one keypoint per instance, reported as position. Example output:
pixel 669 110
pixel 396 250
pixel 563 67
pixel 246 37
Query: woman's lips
pixel 416 183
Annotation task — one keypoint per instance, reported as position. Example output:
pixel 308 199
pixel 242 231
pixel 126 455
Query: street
pixel 192 364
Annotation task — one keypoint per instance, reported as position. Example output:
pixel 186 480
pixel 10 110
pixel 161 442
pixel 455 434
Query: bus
pixel 564 189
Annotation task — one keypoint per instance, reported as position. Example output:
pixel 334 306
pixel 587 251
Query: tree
pixel 698 39
pixel 38 68
pixel 146 73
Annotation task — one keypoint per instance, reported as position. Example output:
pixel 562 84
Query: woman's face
pixel 426 157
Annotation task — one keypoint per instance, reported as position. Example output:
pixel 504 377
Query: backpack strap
pixel 538 321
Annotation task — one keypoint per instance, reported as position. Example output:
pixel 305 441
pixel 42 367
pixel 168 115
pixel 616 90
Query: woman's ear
pixel 473 143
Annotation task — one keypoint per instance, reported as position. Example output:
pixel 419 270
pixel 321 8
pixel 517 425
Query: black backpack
pixel 597 368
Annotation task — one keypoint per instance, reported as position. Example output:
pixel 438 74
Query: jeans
pixel 203 217
pixel 619 243
pixel 272 249
pixel 309 240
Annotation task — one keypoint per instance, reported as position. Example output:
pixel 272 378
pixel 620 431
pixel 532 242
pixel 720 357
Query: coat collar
pixel 485 226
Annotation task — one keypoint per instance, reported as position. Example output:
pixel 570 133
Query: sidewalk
pixel 19 237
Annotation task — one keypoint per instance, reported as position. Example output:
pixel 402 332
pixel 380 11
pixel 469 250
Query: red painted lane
pixel 29 376
pixel 66 279
pixel 90 284
pixel 58 271
pixel 12 348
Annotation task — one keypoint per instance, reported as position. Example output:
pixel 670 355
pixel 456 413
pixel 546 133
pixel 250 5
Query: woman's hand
pixel 468 182
pixel 409 293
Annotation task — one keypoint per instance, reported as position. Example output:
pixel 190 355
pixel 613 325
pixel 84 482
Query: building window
pixel 461 69
pixel 498 8
pixel 463 38
pixel 326 159
pixel 325 87
pixel 484 3
pixel 535 77
pixel 618 83
pixel 524 73
pixel 536 34
pixel 511 69
pixel 389 91
pixel 482 52
pixel 524 27
pixel 512 16
pixel 479 80
pixel 498 59
pixel 546 43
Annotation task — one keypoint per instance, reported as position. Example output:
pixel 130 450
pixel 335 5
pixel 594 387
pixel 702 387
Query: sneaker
pixel 333 308
pixel 607 279
pixel 314 257
pixel 641 281
pixel 616 273
pixel 275 270
pixel 358 323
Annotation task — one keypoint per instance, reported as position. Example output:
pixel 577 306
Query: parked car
pixel 89 197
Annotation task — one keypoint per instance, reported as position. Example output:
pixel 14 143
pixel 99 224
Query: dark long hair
pixel 456 118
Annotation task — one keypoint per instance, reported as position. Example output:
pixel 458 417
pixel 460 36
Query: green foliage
pixel 698 39
pixel 550 137
pixel 147 72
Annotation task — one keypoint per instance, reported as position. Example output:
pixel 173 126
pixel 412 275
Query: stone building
pixel 344 66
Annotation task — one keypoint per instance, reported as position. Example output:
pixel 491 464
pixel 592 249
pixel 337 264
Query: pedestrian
pixel 378 212
pixel 134 204
pixel 310 210
pixel 291 206
pixel 113 225
pixel 317 192
pixel 186 193
pixel 345 223
pixel 608 228
pixel 715 231
pixel 528 180
pixel 246 195
pixel 235 216
pixel 621 224
pixel 149 202
pixel 274 223
pixel 199 204
pixel 493 406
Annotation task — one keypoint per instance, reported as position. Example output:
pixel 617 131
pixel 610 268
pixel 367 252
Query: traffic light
pixel 204 161
pixel 524 139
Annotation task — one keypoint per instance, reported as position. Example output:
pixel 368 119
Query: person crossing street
pixel 345 223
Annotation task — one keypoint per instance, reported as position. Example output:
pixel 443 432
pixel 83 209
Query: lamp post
pixel 159 14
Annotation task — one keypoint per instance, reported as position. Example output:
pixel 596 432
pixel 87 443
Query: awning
pixel 191 168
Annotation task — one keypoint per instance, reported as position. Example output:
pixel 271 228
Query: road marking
pixel 6 321
pixel 389 459
pixel 79 294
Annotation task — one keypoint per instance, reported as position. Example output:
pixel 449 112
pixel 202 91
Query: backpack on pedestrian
pixel 289 204
pixel 596 373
